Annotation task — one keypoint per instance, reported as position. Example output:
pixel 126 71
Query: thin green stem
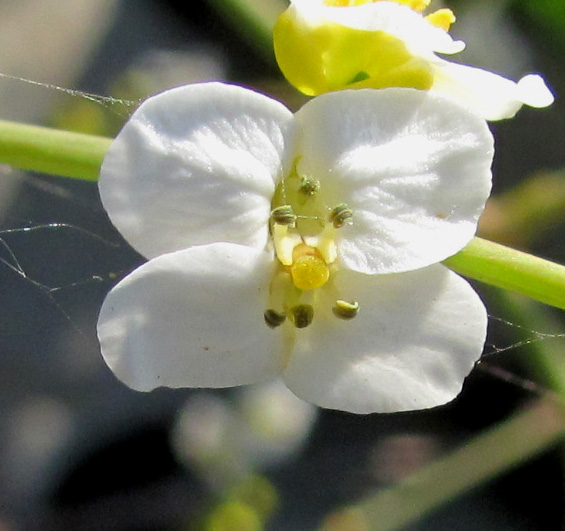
pixel 490 454
pixel 524 214
pixel 254 20
pixel 45 150
pixel 513 270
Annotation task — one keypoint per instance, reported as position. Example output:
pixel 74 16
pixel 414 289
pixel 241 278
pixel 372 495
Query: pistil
pixel 308 269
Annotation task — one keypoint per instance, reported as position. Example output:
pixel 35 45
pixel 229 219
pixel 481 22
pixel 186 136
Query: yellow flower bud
pixel 327 56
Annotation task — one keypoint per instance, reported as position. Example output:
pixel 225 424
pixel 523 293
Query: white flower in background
pixel 327 45
pixel 303 245
pixel 259 426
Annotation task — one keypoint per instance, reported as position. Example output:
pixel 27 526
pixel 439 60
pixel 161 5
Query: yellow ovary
pixel 308 269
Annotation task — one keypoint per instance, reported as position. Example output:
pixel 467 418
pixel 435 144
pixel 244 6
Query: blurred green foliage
pixel 548 16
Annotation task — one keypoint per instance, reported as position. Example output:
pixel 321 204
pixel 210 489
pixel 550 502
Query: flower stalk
pixel 253 20
pixel 498 450
pixel 513 270
pixel 79 156
pixel 52 151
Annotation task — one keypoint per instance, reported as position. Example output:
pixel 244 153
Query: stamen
pixel 347 3
pixel 308 269
pixel 284 215
pixel 345 310
pixel 302 315
pixel 340 214
pixel 309 186
pixel 416 5
pixel 442 18
pixel 273 318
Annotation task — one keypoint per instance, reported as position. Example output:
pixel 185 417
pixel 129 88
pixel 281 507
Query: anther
pixel 340 214
pixel 345 310
pixel 309 186
pixel 442 18
pixel 302 315
pixel 284 215
pixel 273 318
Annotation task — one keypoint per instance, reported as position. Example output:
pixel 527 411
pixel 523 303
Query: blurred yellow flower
pixel 327 45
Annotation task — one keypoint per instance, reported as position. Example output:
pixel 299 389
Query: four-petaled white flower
pixel 305 246
pixel 326 45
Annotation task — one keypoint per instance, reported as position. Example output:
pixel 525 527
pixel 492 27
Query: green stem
pixel 254 20
pixel 494 452
pixel 513 270
pixel 45 150
pixel 525 213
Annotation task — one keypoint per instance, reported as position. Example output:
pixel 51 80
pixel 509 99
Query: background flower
pixel 321 48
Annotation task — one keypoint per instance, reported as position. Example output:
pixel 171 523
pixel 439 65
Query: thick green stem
pixel 481 459
pixel 513 270
pixel 45 150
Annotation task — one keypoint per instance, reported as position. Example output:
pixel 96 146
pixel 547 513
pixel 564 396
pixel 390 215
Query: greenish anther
pixel 302 315
pixel 345 310
pixel 284 215
pixel 309 186
pixel 340 214
pixel 273 318
pixel 304 195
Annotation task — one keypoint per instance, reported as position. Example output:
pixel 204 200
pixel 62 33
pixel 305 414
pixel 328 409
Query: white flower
pixel 260 426
pixel 250 215
pixel 325 45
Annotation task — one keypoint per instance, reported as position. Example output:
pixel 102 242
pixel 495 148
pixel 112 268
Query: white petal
pixel 415 339
pixel 413 166
pixel 195 165
pixel 192 318
pixel 533 91
pixel 491 95
pixel 389 17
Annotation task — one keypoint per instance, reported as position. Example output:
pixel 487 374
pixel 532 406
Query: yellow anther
pixel 308 269
pixel 442 18
pixel 416 5
pixel 345 310
pixel 347 3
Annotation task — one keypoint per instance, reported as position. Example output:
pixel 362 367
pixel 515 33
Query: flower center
pixel 303 229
